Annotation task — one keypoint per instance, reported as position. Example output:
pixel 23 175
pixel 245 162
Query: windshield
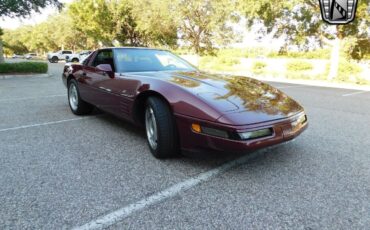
pixel 145 60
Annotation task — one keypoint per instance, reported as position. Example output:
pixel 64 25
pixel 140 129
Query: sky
pixel 12 23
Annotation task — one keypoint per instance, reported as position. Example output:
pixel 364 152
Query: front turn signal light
pixel 196 128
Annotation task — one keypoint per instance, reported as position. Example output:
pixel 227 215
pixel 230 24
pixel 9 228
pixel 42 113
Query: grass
pixel 263 52
pixel 258 67
pixel 298 65
pixel 23 67
pixel 349 71
pixel 315 54
pixel 220 63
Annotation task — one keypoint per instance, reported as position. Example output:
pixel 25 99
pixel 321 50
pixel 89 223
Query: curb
pixel 3 77
pixel 316 83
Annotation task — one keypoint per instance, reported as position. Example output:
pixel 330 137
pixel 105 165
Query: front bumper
pixel 191 141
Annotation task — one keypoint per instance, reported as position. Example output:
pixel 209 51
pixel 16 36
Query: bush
pixel 361 81
pixel 218 63
pixel 228 61
pixel 348 71
pixel 258 67
pixel 314 54
pixel 299 66
pixel 24 67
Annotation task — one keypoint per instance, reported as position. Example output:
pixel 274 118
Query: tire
pixel 54 59
pixel 162 136
pixel 77 105
pixel 75 60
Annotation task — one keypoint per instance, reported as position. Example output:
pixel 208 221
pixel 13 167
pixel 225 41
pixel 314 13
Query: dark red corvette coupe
pixel 181 107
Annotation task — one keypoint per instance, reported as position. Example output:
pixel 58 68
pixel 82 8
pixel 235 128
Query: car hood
pixel 240 100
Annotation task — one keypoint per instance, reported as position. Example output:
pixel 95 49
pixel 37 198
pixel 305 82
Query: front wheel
pixel 160 128
pixel 54 59
pixel 77 105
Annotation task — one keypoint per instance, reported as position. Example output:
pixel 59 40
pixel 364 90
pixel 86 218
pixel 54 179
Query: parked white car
pixel 78 57
pixel 30 55
pixel 57 56
pixel 17 56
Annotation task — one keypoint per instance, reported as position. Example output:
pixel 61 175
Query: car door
pixel 66 53
pixel 100 83
pixel 118 89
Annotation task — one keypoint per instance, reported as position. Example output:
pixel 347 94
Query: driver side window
pixel 104 57
pixel 86 61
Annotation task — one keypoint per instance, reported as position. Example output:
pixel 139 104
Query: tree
pixel 1 47
pixel 22 8
pixel 299 22
pixel 13 40
pixel 126 22
pixel 55 33
pixel 94 18
pixel 155 22
pixel 205 23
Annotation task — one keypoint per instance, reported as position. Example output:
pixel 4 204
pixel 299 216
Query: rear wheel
pixel 54 59
pixel 75 60
pixel 77 105
pixel 160 128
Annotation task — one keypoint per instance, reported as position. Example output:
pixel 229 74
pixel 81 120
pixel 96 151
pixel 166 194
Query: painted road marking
pixel 43 124
pixel 30 98
pixel 120 214
pixel 354 93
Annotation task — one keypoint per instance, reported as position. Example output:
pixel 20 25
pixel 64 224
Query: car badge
pixel 338 11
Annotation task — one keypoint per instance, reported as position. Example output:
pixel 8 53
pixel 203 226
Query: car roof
pixel 132 47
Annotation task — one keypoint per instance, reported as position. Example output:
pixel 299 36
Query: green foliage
pixel 22 8
pixel 300 21
pixel 356 49
pixel 155 22
pixel 125 22
pixel 222 63
pixel 315 54
pixel 203 24
pixel 258 67
pixel 297 65
pixel 94 19
pixel 348 71
pixel 228 61
pixel 23 67
pixel 362 81
pixel 59 31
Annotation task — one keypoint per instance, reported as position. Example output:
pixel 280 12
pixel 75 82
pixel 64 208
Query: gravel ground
pixel 63 175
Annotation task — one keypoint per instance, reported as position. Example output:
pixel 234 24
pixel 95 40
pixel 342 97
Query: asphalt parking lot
pixel 60 171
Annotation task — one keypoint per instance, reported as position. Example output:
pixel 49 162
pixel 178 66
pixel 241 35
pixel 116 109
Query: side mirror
pixel 106 68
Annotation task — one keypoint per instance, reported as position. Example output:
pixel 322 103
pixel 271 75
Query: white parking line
pixel 354 93
pixel 120 214
pixel 43 124
pixel 29 98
